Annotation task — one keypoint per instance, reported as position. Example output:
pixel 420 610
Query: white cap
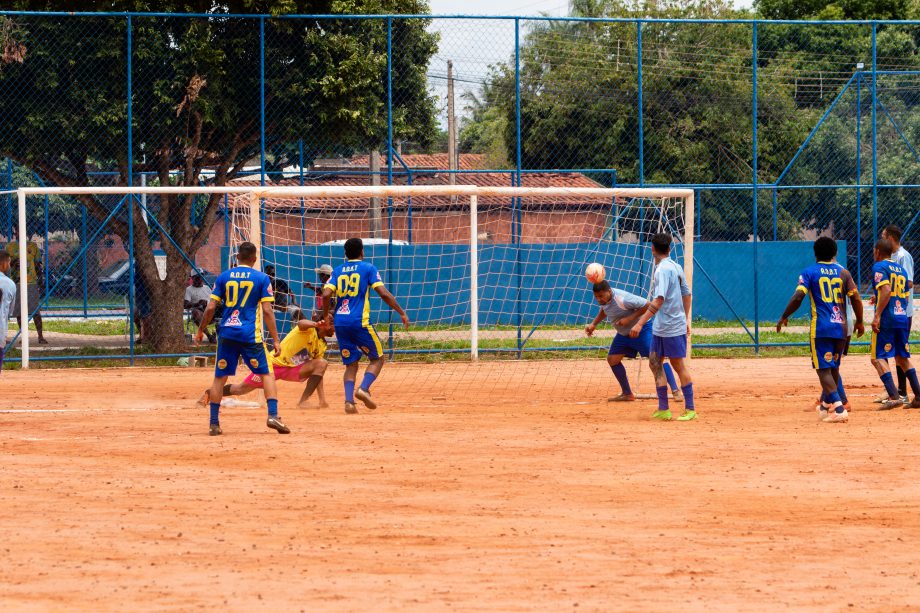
pixel 325 269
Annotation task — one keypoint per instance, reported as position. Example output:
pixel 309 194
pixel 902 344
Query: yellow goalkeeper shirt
pixel 300 346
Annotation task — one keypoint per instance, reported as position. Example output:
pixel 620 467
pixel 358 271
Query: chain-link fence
pixel 785 130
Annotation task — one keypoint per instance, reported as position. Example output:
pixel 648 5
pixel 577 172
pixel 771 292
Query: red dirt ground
pixel 520 489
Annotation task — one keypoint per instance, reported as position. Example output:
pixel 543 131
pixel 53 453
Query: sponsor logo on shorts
pixel 256 379
pixel 222 364
pixel 887 346
pixel 828 357
pixel 254 363
pixel 346 353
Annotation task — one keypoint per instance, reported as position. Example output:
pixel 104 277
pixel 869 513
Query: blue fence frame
pixel 863 80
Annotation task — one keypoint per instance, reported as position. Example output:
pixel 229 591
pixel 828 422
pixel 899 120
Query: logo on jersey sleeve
pixel 879 276
pixel 801 280
pixel 836 315
pixel 234 320
pixel 344 309
pixel 271 290
pixel 379 280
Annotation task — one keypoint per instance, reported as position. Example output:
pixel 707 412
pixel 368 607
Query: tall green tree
pixel 196 103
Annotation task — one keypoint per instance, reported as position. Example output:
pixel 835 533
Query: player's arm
pixel 306 324
pixel 650 310
pixel 884 295
pixel 206 318
pixel 327 300
pixel 632 317
pixel 269 313
pixel 591 327
pixel 794 303
pixel 849 286
pixel 388 298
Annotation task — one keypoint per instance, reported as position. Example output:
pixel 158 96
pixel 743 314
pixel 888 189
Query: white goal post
pixel 549 221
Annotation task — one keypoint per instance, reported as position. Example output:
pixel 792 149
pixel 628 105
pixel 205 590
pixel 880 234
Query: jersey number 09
pixel 348 285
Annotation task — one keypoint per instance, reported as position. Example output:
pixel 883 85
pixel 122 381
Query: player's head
pixel 248 254
pixel 5 262
pixel 892 233
pixel 324 328
pixel 197 281
pixel 270 270
pixel 602 292
pixel 883 249
pixel 354 249
pixel 825 249
pixel 661 244
pixel 324 272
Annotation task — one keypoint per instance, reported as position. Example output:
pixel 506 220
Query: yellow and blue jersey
pixel 827 285
pixel 887 272
pixel 351 283
pixel 241 291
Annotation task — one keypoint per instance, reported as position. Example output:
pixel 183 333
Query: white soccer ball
pixel 595 273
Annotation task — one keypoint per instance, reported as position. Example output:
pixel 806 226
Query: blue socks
pixel 669 375
pixel 368 381
pixel 688 396
pixel 272 407
pixel 215 411
pixel 619 371
pixel 662 397
pixel 914 382
pixel 350 391
pixel 890 387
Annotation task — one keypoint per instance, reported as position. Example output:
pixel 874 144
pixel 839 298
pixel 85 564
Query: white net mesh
pixel 533 298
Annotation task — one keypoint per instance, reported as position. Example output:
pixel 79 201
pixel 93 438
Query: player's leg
pixel 902 375
pixel 832 411
pixel 348 339
pixel 313 372
pixel 881 349
pixel 615 361
pixel 371 346
pixel 655 361
pixel 686 386
pixel 351 373
pixel 903 362
pixel 672 382
pixel 257 357
pixel 227 356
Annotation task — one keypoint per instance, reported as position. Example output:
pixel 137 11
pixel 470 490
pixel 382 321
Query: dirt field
pixel 113 497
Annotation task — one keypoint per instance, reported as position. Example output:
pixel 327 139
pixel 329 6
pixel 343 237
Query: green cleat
pixel 662 415
pixel 687 416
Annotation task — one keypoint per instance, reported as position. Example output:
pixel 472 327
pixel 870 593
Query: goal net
pixel 485 274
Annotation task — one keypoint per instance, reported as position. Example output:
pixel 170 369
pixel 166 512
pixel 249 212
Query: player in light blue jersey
pixel 622 309
pixel 827 284
pixel 902 258
pixel 7 300
pixel 246 296
pixel 891 326
pixel 351 283
pixel 670 305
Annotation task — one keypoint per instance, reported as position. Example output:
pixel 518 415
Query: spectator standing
pixel 324 273
pixel 34 277
pixel 7 300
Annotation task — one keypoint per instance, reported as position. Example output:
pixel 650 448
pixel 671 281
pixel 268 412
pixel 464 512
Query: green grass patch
pixel 85 327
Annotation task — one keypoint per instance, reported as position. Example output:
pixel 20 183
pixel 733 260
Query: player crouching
pixel 622 309
pixel 891 326
pixel 302 359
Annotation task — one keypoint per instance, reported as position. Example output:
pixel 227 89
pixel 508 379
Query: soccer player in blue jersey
pixel 622 309
pixel 246 296
pixel 670 305
pixel 902 258
pixel 351 283
pixel 891 326
pixel 827 284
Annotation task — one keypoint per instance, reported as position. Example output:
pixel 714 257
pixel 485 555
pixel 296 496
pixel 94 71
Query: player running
pixel 902 258
pixel 671 308
pixel 350 284
pixel 246 295
pixel 622 309
pixel 302 358
pixel 828 284
pixel 891 326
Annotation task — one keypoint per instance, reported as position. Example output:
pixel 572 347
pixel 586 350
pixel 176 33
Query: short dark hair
pixel 603 286
pixel 884 247
pixel 825 249
pixel 893 232
pixel 247 252
pixel 661 242
pixel 267 266
pixel 4 256
pixel 354 247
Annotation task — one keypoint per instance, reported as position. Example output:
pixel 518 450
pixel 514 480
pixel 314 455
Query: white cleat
pixel 837 418
pixel 822 412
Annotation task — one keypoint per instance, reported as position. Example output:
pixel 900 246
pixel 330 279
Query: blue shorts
pixel 229 352
pixel 669 346
pixel 631 347
pixel 826 352
pixel 355 340
pixel 890 343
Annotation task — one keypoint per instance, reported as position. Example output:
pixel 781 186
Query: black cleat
pixel 215 430
pixel 275 423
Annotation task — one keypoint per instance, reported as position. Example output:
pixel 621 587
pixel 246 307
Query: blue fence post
pixel 858 177
pixel 874 132
pixel 698 199
pixel 640 95
pixel 390 171
pixel 515 221
pixel 131 271
pixel 754 179
pixel 47 256
pixel 261 126
pixel 9 198
pixel 774 214
pixel 85 260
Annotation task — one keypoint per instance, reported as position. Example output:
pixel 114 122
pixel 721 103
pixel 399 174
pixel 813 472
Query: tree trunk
pixel 166 329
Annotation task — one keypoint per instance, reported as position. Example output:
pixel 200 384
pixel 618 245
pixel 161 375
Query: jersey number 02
pixel 831 289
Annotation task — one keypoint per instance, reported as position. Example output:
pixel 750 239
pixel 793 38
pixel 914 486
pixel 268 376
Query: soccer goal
pixel 485 273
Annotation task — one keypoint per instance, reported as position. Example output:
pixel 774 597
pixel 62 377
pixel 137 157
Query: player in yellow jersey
pixel 302 358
